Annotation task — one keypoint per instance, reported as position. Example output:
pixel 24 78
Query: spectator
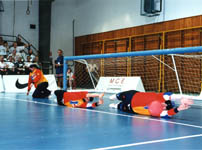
pixel 5 44
pixel 27 64
pixel 11 66
pixel 32 56
pixel 70 78
pixel 23 55
pixel 15 55
pixel 37 62
pixel 59 68
pixel 19 42
pixel 17 48
pixel 20 66
pixel 3 66
pixel 2 49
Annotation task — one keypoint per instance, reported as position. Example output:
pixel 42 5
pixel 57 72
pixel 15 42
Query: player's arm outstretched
pixel 30 84
pixel 185 104
pixel 170 108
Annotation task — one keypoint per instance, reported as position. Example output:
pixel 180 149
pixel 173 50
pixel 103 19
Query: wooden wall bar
pixel 173 28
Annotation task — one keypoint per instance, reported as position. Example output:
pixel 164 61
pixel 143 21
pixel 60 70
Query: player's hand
pixel 183 107
pixel 29 90
pixel 186 101
pixel 164 106
pixel 101 102
pixel 101 96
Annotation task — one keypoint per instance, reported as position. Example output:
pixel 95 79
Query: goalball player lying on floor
pixel 78 99
pixel 149 103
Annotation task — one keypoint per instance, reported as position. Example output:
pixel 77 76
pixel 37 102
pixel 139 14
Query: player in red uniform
pixel 37 78
pixel 81 99
pixel 149 103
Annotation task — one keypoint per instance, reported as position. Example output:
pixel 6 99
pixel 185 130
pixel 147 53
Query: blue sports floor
pixel 39 124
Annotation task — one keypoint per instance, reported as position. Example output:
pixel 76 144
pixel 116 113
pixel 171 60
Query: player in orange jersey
pixel 81 99
pixel 37 79
pixel 149 103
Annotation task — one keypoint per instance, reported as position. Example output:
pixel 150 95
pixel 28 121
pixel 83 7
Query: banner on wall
pixel 117 84
pixel 8 83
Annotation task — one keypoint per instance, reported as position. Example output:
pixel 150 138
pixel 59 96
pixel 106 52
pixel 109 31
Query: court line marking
pixel 30 101
pixel 144 118
pixel 109 113
pixel 148 142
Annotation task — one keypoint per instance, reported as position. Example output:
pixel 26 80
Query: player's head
pixel 33 66
pixel 169 104
pixel 60 52
pixel 69 70
pixel 91 99
pixel 155 108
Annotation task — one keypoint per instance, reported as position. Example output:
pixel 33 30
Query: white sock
pixel 113 97
pixel 113 105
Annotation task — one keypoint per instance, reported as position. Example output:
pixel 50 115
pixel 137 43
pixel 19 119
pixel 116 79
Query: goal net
pixel 174 70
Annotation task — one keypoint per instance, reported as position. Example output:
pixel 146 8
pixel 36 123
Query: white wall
pixel 6 25
pixel 63 12
pixel 175 9
pixel 94 16
pixel 104 15
pixel 15 20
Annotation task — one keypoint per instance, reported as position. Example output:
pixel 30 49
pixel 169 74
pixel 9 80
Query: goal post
pixel 177 70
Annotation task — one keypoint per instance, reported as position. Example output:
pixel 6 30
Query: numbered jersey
pixel 141 100
pixel 77 100
pixel 36 77
pixel 69 96
pixel 81 103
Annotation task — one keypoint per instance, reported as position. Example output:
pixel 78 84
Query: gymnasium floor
pixel 39 124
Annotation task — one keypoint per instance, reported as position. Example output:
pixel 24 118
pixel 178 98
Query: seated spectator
pixel 2 49
pixel 17 48
pixel 37 62
pixel 19 42
pixel 7 47
pixel 15 55
pixel 32 56
pixel 23 55
pixel 3 66
pixel 11 66
pixel 20 66
pixel 27 64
